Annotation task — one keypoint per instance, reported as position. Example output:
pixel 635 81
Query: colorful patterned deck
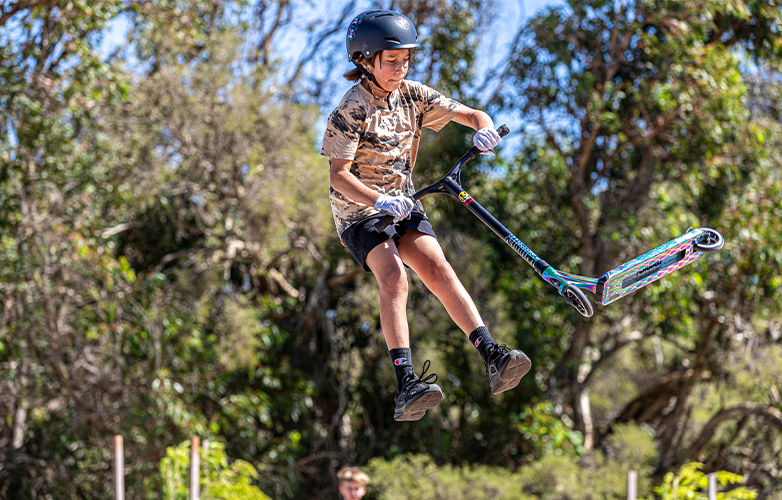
pixel 647 268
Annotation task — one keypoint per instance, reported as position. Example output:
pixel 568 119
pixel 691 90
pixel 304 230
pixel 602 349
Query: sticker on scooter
pixel 465 198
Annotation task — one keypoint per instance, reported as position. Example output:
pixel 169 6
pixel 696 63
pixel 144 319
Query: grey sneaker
pixel 505 368
pixel 417 395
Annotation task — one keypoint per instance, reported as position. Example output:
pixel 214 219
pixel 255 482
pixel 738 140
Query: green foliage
pixel 634 445
pixel 417 476
pixel 239 346
pixel 598 475
pixel 219 479
pixel 550 477
pixel 548 435
pixel 691 483
pixel 65 291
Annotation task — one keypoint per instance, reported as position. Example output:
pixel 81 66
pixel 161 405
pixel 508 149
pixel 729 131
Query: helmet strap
pixel 369 76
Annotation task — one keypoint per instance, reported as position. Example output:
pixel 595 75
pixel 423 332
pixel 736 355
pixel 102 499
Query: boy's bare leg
pixel 387 266
pixel 414 395
pixel 422 252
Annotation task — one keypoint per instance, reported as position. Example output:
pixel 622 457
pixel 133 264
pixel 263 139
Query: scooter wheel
pixel 576 298
pixel 711 241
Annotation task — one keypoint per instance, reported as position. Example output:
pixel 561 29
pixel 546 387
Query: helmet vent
pixel 392 39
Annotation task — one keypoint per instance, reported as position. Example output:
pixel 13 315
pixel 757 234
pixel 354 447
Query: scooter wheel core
pixel 711 241
pixel 576 298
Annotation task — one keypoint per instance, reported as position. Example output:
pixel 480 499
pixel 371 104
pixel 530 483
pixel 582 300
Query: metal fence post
pixel 712 486
pixel 632 485
pixel 195 467
pixel 119 469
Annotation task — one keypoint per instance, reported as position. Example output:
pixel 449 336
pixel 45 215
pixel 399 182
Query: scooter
pixel 612 285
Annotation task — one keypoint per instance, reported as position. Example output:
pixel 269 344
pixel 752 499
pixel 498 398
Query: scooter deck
pixel 647 268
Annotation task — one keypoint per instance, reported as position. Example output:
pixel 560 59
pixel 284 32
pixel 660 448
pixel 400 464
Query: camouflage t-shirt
pixel 381 138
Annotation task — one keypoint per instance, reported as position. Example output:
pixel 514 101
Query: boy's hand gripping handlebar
pixel 437 187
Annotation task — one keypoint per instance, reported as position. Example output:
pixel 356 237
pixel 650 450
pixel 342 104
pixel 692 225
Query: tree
pixel 644 130
pixel 63 290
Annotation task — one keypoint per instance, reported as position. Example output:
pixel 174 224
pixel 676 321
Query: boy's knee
pixel 393 278
pixel 439 269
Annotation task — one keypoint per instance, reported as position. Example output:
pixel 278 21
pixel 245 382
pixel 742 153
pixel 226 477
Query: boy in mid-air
pixel 371 141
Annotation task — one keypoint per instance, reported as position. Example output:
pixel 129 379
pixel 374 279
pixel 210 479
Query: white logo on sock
pixel 400 361
pixel 477 342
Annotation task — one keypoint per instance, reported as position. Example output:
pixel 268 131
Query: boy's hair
pixel 352 474
pixel 355 75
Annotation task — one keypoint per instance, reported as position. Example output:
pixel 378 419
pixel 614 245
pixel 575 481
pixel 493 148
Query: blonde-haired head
pixel 352 474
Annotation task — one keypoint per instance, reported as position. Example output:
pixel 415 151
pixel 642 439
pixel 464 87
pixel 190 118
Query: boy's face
pixel 391 68
pixel 351 490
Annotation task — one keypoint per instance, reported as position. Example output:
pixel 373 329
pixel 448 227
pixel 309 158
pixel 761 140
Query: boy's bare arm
pixel 347 184
pixel 472 118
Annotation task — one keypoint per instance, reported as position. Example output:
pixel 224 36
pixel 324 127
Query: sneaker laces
pixel 411 378
pixel 498 349
pixel 494 351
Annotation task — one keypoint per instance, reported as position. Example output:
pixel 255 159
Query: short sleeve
pixel 343 130
pixel 438 110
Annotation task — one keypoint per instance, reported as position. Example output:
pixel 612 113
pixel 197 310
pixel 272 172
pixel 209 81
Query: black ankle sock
pixel 481 339
pixel 403 364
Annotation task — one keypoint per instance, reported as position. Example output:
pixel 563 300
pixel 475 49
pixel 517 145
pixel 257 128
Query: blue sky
pixel 512 15
pixel 494 45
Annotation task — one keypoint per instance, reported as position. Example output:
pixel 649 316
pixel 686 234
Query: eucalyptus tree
pixel 638 127
pixel 63 290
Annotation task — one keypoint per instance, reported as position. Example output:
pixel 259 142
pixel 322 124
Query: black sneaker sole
pixel 517 367
pixel 416 409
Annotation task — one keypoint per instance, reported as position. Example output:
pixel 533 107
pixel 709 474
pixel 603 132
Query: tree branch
pixel 17 7
pixel 768 412
pixel 336 27
pixel 632 338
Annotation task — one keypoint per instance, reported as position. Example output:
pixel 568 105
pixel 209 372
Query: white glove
pixel 486 139
pixel 398 206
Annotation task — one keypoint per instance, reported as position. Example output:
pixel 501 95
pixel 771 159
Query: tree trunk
pixel 675 422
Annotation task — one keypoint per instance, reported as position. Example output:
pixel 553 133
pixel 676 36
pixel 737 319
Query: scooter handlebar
pixel 386 221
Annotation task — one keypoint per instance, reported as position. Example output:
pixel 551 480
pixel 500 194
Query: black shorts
pixel 361 237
